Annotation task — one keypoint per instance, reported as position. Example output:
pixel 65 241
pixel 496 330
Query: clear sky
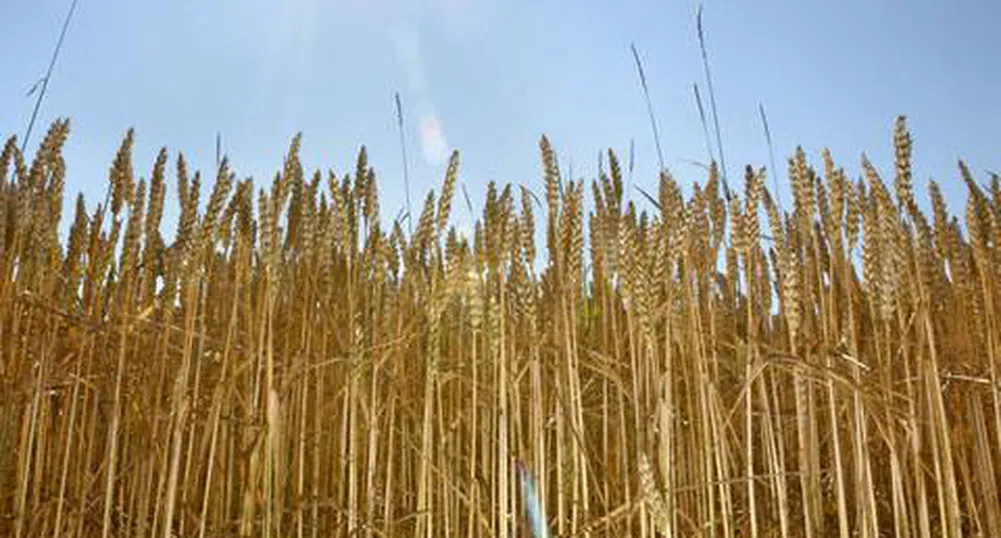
pixel 489 77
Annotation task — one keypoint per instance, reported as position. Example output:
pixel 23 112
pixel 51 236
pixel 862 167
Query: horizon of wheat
pixel 290 363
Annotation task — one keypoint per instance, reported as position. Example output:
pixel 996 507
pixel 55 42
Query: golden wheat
pixel 312 370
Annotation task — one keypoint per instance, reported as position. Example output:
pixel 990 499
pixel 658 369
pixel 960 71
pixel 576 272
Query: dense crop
pixel 290 363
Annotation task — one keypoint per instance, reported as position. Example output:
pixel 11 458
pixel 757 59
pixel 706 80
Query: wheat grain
pixel 276 385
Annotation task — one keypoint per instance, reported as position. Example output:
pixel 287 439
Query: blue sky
pixel 489 77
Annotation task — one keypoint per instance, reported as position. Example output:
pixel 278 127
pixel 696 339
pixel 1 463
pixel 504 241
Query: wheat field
pixel 290 363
